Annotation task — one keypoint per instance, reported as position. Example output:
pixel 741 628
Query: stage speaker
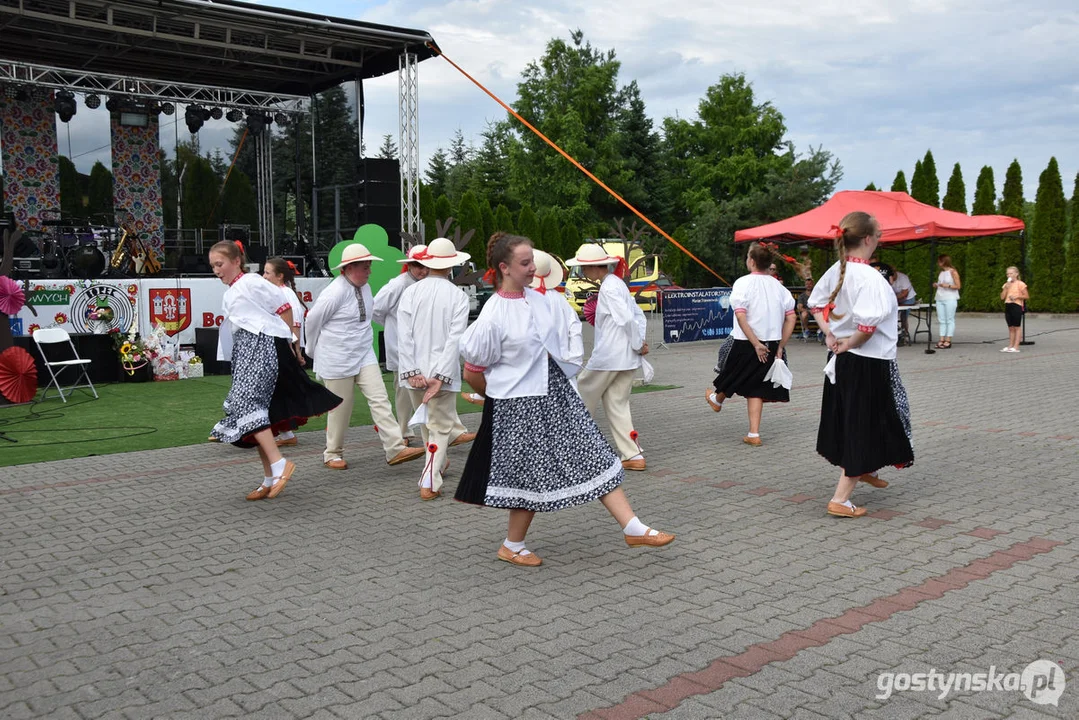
pixel 257 254
pixel 206 348
pixel 380 196
pixel 195 265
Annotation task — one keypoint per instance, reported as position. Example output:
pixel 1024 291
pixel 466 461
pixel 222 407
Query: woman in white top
pixel 865 416
pixel 270 391
pixel 947 298
pixel 616 353
pixel 282 273
pixel 764 321
pixel 537 449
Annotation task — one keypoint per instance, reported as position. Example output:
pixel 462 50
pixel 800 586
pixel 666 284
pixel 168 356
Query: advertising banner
pixel 703 314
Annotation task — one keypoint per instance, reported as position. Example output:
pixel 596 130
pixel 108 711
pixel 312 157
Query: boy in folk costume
pixel 431 318
pixel 341 341
pixel 619 347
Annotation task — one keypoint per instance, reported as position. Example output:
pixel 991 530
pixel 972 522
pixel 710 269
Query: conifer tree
pixel 528 224
pixel 955 199
pixel 571 240
pixel 469 217
pixel 980 284
pixel 900 182
pixel 1013 251
pixel 871 187
pixel 443 209
pixel 427 212
pixel 503 220
pixel 488 220
pixel 1046 262
pixel 931 194
pixel 1070 296
pixel 916 260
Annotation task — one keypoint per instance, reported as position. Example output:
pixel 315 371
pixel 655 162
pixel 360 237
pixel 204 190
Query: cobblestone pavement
pixel 144 586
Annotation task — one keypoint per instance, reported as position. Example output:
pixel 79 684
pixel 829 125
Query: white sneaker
pixel 1007 349
pixel 1015 349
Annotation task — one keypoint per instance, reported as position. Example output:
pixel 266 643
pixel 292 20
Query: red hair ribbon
pixel 788 258
pixel 241 246
pixel 837 232
pixel 291 266
pixel 621 269
pixel 489 276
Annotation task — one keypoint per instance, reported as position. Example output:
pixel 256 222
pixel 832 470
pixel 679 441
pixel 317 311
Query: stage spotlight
pixel 11 91
pixel 112 104
pixel 234 115
pixel 65 106
pixel 168 108
pixel 281 119
pixel 256 122
pixel 91 101
pixel 216 113
pixel 195 116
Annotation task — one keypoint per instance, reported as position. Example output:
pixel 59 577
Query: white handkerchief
pixel 648 371
pixel 780 374
pixel 829 370
pixel 419 417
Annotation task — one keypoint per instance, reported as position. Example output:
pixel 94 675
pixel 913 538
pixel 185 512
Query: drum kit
pixel 65 248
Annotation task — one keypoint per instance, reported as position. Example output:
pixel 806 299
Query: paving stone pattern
pixel 143 585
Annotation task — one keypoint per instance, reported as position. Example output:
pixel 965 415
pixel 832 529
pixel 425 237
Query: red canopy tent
pixel 901 217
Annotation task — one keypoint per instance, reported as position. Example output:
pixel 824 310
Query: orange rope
pixel 576 164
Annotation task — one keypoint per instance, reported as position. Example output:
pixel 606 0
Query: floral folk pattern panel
pixel 31 166
pixel 136 183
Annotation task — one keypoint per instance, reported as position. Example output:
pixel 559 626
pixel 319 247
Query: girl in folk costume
pixel 617 351
pixel 538 449
pixel 269 389
pixel 282 273
pixel 384 313
pixel 764 321
pixel 431 318
pixel 865 416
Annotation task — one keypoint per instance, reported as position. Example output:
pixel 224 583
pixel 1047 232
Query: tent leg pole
pixel 1024 341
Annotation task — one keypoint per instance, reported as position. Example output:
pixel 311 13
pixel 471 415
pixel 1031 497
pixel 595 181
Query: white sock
pixel 278 467
pixel 638 456
pixel 425 481
pixel 754 435
pixel 636 528
pixel 267 481
pixel 287 435
pixel 715 398
pixel 517 547
pixel 848 503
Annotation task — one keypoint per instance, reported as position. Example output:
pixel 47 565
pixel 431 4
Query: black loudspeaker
pixel 257 254
pixel 206 348
pixel 380 196
pixel 195 265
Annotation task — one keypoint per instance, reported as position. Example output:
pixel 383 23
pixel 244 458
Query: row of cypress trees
pixel 1047 255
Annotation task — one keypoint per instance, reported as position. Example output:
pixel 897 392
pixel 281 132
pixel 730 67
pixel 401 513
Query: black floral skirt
pixel 540 453
pixel 742 373
pixel 269 390
pixel 865 417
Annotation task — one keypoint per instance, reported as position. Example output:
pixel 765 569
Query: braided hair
pixel 853 229
pixel 500 250
pixel 287 270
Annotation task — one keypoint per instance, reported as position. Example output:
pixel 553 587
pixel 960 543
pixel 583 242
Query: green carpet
pixel 136 416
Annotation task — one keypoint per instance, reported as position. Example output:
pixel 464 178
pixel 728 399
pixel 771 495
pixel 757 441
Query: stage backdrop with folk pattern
pixel 31 167
pixel 136 184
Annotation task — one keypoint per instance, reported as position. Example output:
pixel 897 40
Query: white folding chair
pixel 53 336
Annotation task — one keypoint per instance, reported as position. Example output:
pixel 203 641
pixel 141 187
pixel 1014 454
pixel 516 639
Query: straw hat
pixel 440 254
pixel 591 254
pixel 413 252
pixel 548 270
pixel 355 252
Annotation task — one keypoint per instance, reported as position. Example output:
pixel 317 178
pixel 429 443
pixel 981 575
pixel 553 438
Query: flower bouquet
pixel 135 356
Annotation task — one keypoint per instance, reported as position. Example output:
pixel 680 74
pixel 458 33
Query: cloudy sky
pixel 876 82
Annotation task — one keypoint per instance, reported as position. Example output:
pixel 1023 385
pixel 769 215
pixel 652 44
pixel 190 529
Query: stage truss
pixel 408 105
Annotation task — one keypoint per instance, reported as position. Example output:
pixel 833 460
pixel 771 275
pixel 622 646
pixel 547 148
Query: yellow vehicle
pixel 644 276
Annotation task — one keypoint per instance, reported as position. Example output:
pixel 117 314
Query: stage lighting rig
pixel 281 119
pixel 92 101
pixel 168 108
pixel 195 116
pixel 216 113
pixel 234 115
pixel 257 122
pixel 65 106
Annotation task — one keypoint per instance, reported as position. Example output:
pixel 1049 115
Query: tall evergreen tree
pixel 469 217
pixel 638 146
pixel 443 209
pixel 1014 251
pixel 900 182
pixel 571 240
pixel 238 203
pixel 528 223
pixel 503 220
pixel 550 235
pixel 488 221
pixel 980 284
pixel 955 199
pixel 1070 296
pixel 100 193
pixel 1045 271
pixel 388 149
pixel 437 173
pixel 70 195
pixel 490 172
pixel 916 261
pixel 427 212
pixel 201 186
pixel 932 182
pixel 871 187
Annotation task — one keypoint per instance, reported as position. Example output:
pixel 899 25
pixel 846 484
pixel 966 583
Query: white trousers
pixel 374 391
pixel 612 388
pixel 439 431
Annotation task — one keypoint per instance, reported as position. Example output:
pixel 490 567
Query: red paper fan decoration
pixel 589 309
pixel 18 375
pixel 12 298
